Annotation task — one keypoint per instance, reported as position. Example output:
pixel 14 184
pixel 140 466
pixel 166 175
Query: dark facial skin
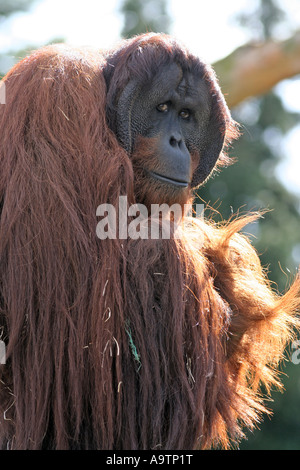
pixel 174 110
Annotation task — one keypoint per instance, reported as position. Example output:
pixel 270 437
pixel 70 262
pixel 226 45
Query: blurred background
pixel 254 46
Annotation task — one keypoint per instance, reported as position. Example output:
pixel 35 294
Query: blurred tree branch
pixel 254 69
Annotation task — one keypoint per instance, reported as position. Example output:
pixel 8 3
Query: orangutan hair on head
pixel 125 343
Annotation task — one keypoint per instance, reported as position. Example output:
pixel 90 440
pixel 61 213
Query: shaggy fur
pixel 117 344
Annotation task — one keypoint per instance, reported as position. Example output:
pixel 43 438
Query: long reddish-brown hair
pixel 116 344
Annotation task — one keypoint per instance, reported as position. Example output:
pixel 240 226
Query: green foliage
pixel 144 16
pixel 7 7
pixel 281 431
pixel 264 19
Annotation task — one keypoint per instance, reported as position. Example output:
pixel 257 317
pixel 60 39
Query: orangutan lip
pixel 181 183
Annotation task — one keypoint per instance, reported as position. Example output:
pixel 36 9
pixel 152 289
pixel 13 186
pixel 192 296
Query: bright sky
pixel 205 26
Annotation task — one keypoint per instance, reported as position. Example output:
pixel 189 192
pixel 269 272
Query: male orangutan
pixel 125 343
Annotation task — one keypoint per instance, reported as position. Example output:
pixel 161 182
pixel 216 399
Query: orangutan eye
pixel 163 107
pixel 184 114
